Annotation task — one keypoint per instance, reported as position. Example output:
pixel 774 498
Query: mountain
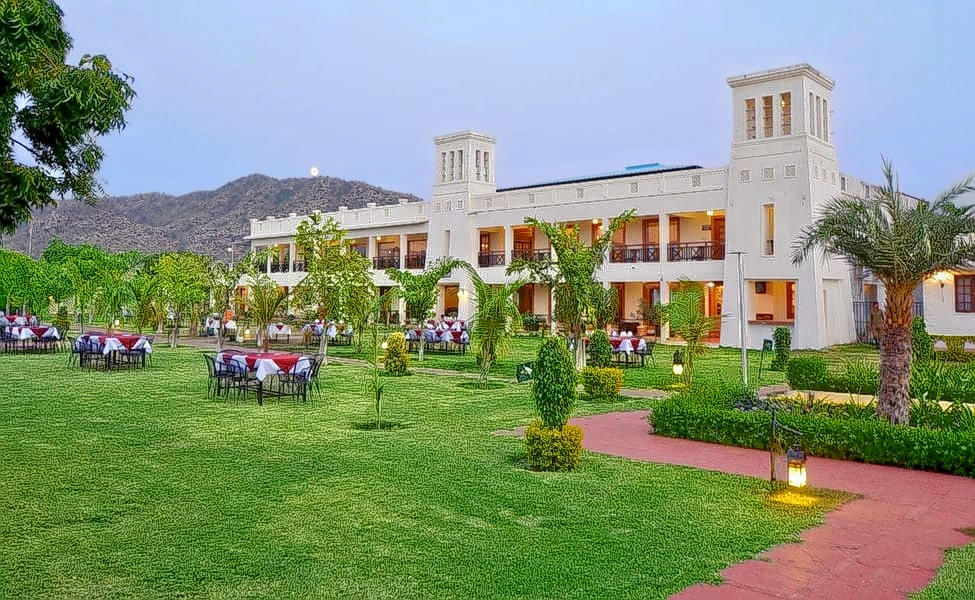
pixel 205 221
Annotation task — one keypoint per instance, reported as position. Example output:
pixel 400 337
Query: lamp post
pixel 742 324
pixel 795 456
pixel 230 250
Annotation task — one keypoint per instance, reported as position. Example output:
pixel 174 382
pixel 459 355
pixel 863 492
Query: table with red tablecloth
pixel 27 333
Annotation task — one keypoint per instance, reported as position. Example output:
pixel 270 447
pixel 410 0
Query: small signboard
pixel 524 372
pixel 766 347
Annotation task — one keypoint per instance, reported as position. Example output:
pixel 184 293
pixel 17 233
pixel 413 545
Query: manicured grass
pixel 136 485
pixel 956 579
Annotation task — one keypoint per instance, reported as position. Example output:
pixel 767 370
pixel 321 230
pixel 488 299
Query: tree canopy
pixel 51 112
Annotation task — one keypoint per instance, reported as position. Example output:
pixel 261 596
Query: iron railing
pixel 490 258
pixel 386 262
pixel 532 255
pixel 416 260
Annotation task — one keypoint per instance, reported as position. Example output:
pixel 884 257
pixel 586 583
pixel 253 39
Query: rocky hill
pixel 205 221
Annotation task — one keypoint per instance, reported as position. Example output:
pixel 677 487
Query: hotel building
pixel 690 221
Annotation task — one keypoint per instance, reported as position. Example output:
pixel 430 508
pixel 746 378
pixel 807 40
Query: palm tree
pixel 688 321
pixel 495 318
pixel 265 299
pixel 902 242
pixel 419 291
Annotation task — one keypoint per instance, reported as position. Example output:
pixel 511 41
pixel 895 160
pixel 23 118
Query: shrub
pixel 956 348
pixel 397 360
pixel 602 383
pixel 554 383
pixel 823 434
pixel 782 336
pixel 553 449
pixel 530 322
pixel 62 322
pixel 859 377
pixel 921 342
pixel 600 350
pixel 807 373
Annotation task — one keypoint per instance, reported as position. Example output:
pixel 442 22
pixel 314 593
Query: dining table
pixel 41 331
pixel 264 365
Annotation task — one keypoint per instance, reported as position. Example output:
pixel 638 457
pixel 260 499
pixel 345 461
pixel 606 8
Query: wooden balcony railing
pixel 386 262
pixel 490 258
pixel 416 260
pixel 532 255
pixel 695 251
pixel 635 253
pixel 299 266
pixel 278 267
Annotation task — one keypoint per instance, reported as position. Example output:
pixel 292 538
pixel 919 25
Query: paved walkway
pixel 887 544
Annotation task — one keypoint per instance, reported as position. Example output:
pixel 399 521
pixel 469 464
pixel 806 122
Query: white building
pixel 690 220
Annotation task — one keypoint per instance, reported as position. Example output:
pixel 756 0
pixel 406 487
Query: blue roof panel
pixel 629 171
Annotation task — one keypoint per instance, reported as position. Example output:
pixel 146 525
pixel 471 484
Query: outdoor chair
pixel 74 351
pixel 646 352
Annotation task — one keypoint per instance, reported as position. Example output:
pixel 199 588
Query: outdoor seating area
pixel 447 335
pixel 111 352
pixel 339 333
pixel 25 334
pixel 237 372
pixel 628 349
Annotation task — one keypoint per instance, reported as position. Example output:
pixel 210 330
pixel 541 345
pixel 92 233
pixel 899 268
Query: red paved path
pixel 888 544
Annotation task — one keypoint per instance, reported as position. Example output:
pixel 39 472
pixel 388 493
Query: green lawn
pixel 956 579
pixel 119 485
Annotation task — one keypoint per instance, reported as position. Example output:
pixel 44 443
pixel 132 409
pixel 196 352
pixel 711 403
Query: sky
pixel 359 89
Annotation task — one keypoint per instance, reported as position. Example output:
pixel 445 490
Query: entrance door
pixel 651 296
pixel 450 300
pixel 790 300
pixel 620 301
pixel 526 299
pixel 715 300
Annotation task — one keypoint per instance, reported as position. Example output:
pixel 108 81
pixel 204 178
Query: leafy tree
pixel 14 277
pixel 265 299
pixel 183 287
pixel 687 319
pixel 145 295
pixel 51 112
pixel 223 280
pixel 902 242
pixel 495 319
pixel 84 266
pixel 605 303
pixel 554 383
pixel 572 274
pixel 419 290
pixel 338 276
pixel 114 290
pixel 600 349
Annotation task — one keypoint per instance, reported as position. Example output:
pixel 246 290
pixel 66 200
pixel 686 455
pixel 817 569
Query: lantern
pixel 116 322
pixel 796 460
pixel 678 364
pixel 384 345
pixel 941 277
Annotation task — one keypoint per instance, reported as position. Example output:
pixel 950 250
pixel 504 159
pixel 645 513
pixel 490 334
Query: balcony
pixel 635 253
pixel 416 260
pixel 299 266
pixel 278 267
pixel 382 263
pixel 490 258
pixel 693 251
pixel 769 247
pixel 537 255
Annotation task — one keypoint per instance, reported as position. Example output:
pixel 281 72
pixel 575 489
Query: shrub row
pixel 936 380
pixel 602 383
pixel 869 440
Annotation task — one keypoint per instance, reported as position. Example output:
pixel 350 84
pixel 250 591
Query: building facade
pixel 691 222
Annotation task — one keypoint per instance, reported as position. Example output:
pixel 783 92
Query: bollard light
pixel 678 367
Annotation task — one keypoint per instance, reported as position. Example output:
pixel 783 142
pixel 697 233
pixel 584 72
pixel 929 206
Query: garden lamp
pixel 796 460
pixel 678 367
pixel 384 345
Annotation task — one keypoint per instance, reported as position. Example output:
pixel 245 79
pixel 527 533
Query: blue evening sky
pixel 568 88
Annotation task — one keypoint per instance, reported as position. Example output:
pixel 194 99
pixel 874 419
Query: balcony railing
pixel 385 262
pixel 299 266
pixel 490 258
pixel 536 255
pixel 278 267
pixel 695 251
pixel 416 260
pixel 635 253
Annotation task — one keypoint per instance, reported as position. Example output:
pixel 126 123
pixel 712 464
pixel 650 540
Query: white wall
pixel 939 311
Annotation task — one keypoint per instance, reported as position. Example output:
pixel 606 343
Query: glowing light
pixel 384 345
pixel 709 213
pixel 313 171
pixel 595 221
pixel 796 459
pixel 678 366
pixel 942 277
pixel 710 284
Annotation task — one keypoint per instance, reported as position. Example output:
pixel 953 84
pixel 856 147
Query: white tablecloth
pixel 263 367
pixel 113 344
pixel 273 330
pixel 626 345
pixel 231 324
pixel 24 333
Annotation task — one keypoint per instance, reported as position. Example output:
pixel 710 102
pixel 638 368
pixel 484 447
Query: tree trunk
pixel 323 346
pixel 220 332
pixel 894 393
pixel 580 348
pixel 422 344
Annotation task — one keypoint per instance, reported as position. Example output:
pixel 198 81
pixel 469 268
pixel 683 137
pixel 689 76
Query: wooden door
pixel 485 242
pixel 674 230
pixel 790 300
pixel 651 231
pixel 717 229
pixel 715 300
pixel 526 299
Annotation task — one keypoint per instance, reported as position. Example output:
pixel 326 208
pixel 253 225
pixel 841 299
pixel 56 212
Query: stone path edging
pixel 887 544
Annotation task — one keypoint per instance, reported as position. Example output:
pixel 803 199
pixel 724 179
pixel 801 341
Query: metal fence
pixel 861 318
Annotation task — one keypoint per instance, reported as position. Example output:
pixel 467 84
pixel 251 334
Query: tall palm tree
pixel 265 299
pixel 688 321
pixel 902 242
pixel 495 318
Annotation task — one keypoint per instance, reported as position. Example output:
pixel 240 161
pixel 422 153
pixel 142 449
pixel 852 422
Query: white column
pixel 664 299
pixel 291 257
pixel 402 252
pixel 663 226
pixel 509 243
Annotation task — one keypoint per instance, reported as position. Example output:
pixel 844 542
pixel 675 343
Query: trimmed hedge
pixel 782 337
pixel 862 439
pixel 397 359
pixel 600 350
pixel 601 383
pixel 551 449
pixel 554 383
pixel 956 348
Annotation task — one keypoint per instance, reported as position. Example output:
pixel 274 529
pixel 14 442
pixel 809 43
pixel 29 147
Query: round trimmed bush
pixel 554 383
pixel 551 449
pixel 397 360
pixel 600 350
pixel 602 384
